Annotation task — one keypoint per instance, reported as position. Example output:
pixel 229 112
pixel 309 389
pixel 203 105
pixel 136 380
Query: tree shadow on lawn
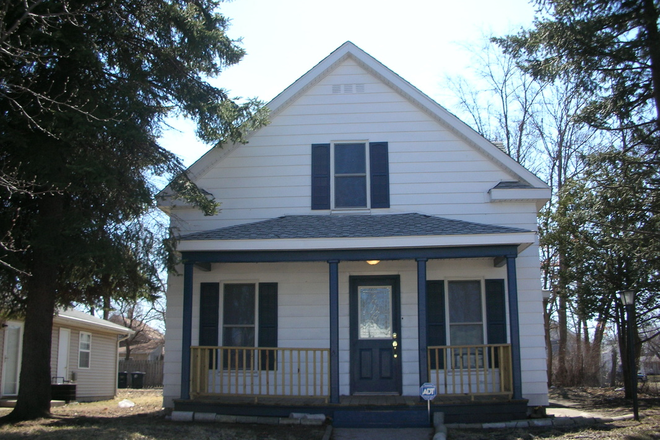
pixel 150 426
pixel 584 431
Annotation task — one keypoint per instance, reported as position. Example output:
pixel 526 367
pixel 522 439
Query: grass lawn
pixel 105 420
pixel 146 420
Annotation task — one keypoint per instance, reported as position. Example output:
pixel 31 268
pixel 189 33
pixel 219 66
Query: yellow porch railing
pixel 255 372
pixel 471 370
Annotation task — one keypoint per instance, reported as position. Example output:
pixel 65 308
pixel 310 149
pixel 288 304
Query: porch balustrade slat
pixel 250 371
pixel 471 369
pixel 256 371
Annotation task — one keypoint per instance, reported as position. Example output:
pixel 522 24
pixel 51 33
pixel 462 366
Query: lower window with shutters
pixel 465 313
pixel 249 320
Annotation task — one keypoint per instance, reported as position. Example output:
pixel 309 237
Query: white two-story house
pixel 368 242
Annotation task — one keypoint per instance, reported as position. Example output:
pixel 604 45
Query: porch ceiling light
pixel 373 262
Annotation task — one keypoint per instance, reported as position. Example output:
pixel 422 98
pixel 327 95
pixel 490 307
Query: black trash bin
pixel 137 379
pixel 122 379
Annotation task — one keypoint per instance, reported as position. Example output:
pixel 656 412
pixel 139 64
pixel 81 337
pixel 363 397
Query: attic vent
pixel 347 88
pixel 500 145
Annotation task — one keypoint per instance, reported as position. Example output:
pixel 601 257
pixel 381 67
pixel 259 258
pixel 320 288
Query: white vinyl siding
pixel 433 170
pixel 99 381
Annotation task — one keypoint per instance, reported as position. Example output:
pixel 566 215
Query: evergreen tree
pixel 84 89
pixel 611 49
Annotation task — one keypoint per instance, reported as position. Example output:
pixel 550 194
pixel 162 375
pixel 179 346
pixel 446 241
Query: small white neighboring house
pixel 369 242
pixel 84 351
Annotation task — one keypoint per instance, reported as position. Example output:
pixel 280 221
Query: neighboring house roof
pixel 326 226
pixel 145 332
pixel 145 347
pixel 81 319
pixel 146 340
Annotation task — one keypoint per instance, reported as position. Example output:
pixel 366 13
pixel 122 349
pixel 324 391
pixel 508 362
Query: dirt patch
pixel 605 401
pixel 106 420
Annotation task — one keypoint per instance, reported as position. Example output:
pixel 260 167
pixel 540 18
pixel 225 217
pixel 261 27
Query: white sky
pixel 423 41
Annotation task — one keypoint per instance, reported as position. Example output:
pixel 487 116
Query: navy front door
pixel 375 335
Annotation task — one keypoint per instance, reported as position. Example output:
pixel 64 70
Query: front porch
pixel 473 382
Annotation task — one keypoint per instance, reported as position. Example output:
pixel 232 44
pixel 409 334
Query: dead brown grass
pixel 145 421
pixel 606 401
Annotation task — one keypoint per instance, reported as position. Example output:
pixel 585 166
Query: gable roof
pixel 401 86
pixel 77 318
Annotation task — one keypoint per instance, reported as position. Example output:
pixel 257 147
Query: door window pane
pixel 375 312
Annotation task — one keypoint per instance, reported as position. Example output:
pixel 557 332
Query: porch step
pixel 381 418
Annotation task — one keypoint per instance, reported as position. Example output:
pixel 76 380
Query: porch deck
pixel 366 411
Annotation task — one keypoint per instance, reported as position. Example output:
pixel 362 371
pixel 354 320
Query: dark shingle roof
pixel 349 226
pixel 512 185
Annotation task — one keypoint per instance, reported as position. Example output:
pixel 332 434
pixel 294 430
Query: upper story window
pixel 350 175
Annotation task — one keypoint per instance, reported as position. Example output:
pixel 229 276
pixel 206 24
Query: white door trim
pixel 11 358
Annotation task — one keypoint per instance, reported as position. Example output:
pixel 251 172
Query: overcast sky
pixel 423 41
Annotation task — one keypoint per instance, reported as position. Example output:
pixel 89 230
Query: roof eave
pixel 525 239
pixel 77 322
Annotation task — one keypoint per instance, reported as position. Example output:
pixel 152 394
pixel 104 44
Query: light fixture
pixel 373 262
pixel 627 297
pixel 628 300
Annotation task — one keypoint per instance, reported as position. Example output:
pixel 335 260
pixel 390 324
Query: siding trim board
pixel 258 256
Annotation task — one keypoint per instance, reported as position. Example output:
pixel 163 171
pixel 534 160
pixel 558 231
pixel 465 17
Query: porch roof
pixel 350 226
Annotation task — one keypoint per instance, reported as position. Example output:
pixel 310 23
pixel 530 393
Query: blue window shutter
pixel 209 306
pixel 495 312
pixel 436 333
pixel 320 176
pixel 380 175
pixel 268 323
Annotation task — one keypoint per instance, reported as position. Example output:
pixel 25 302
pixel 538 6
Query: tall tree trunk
pixel 107 307
pixel 650 18
pixel 548 339
pixel 35 378
pixel 562 371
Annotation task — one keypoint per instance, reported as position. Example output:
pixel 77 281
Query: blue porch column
pixel 186 331
pixel 334 330
pixel 512 282
pixel 421 320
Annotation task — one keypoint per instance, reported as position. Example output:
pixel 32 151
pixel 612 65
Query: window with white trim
pixel 466 322
pixel 350 170
pixel 350 175
pixel 84 350
pixel 249 320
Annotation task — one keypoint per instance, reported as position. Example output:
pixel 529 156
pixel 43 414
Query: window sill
pixel 341 211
